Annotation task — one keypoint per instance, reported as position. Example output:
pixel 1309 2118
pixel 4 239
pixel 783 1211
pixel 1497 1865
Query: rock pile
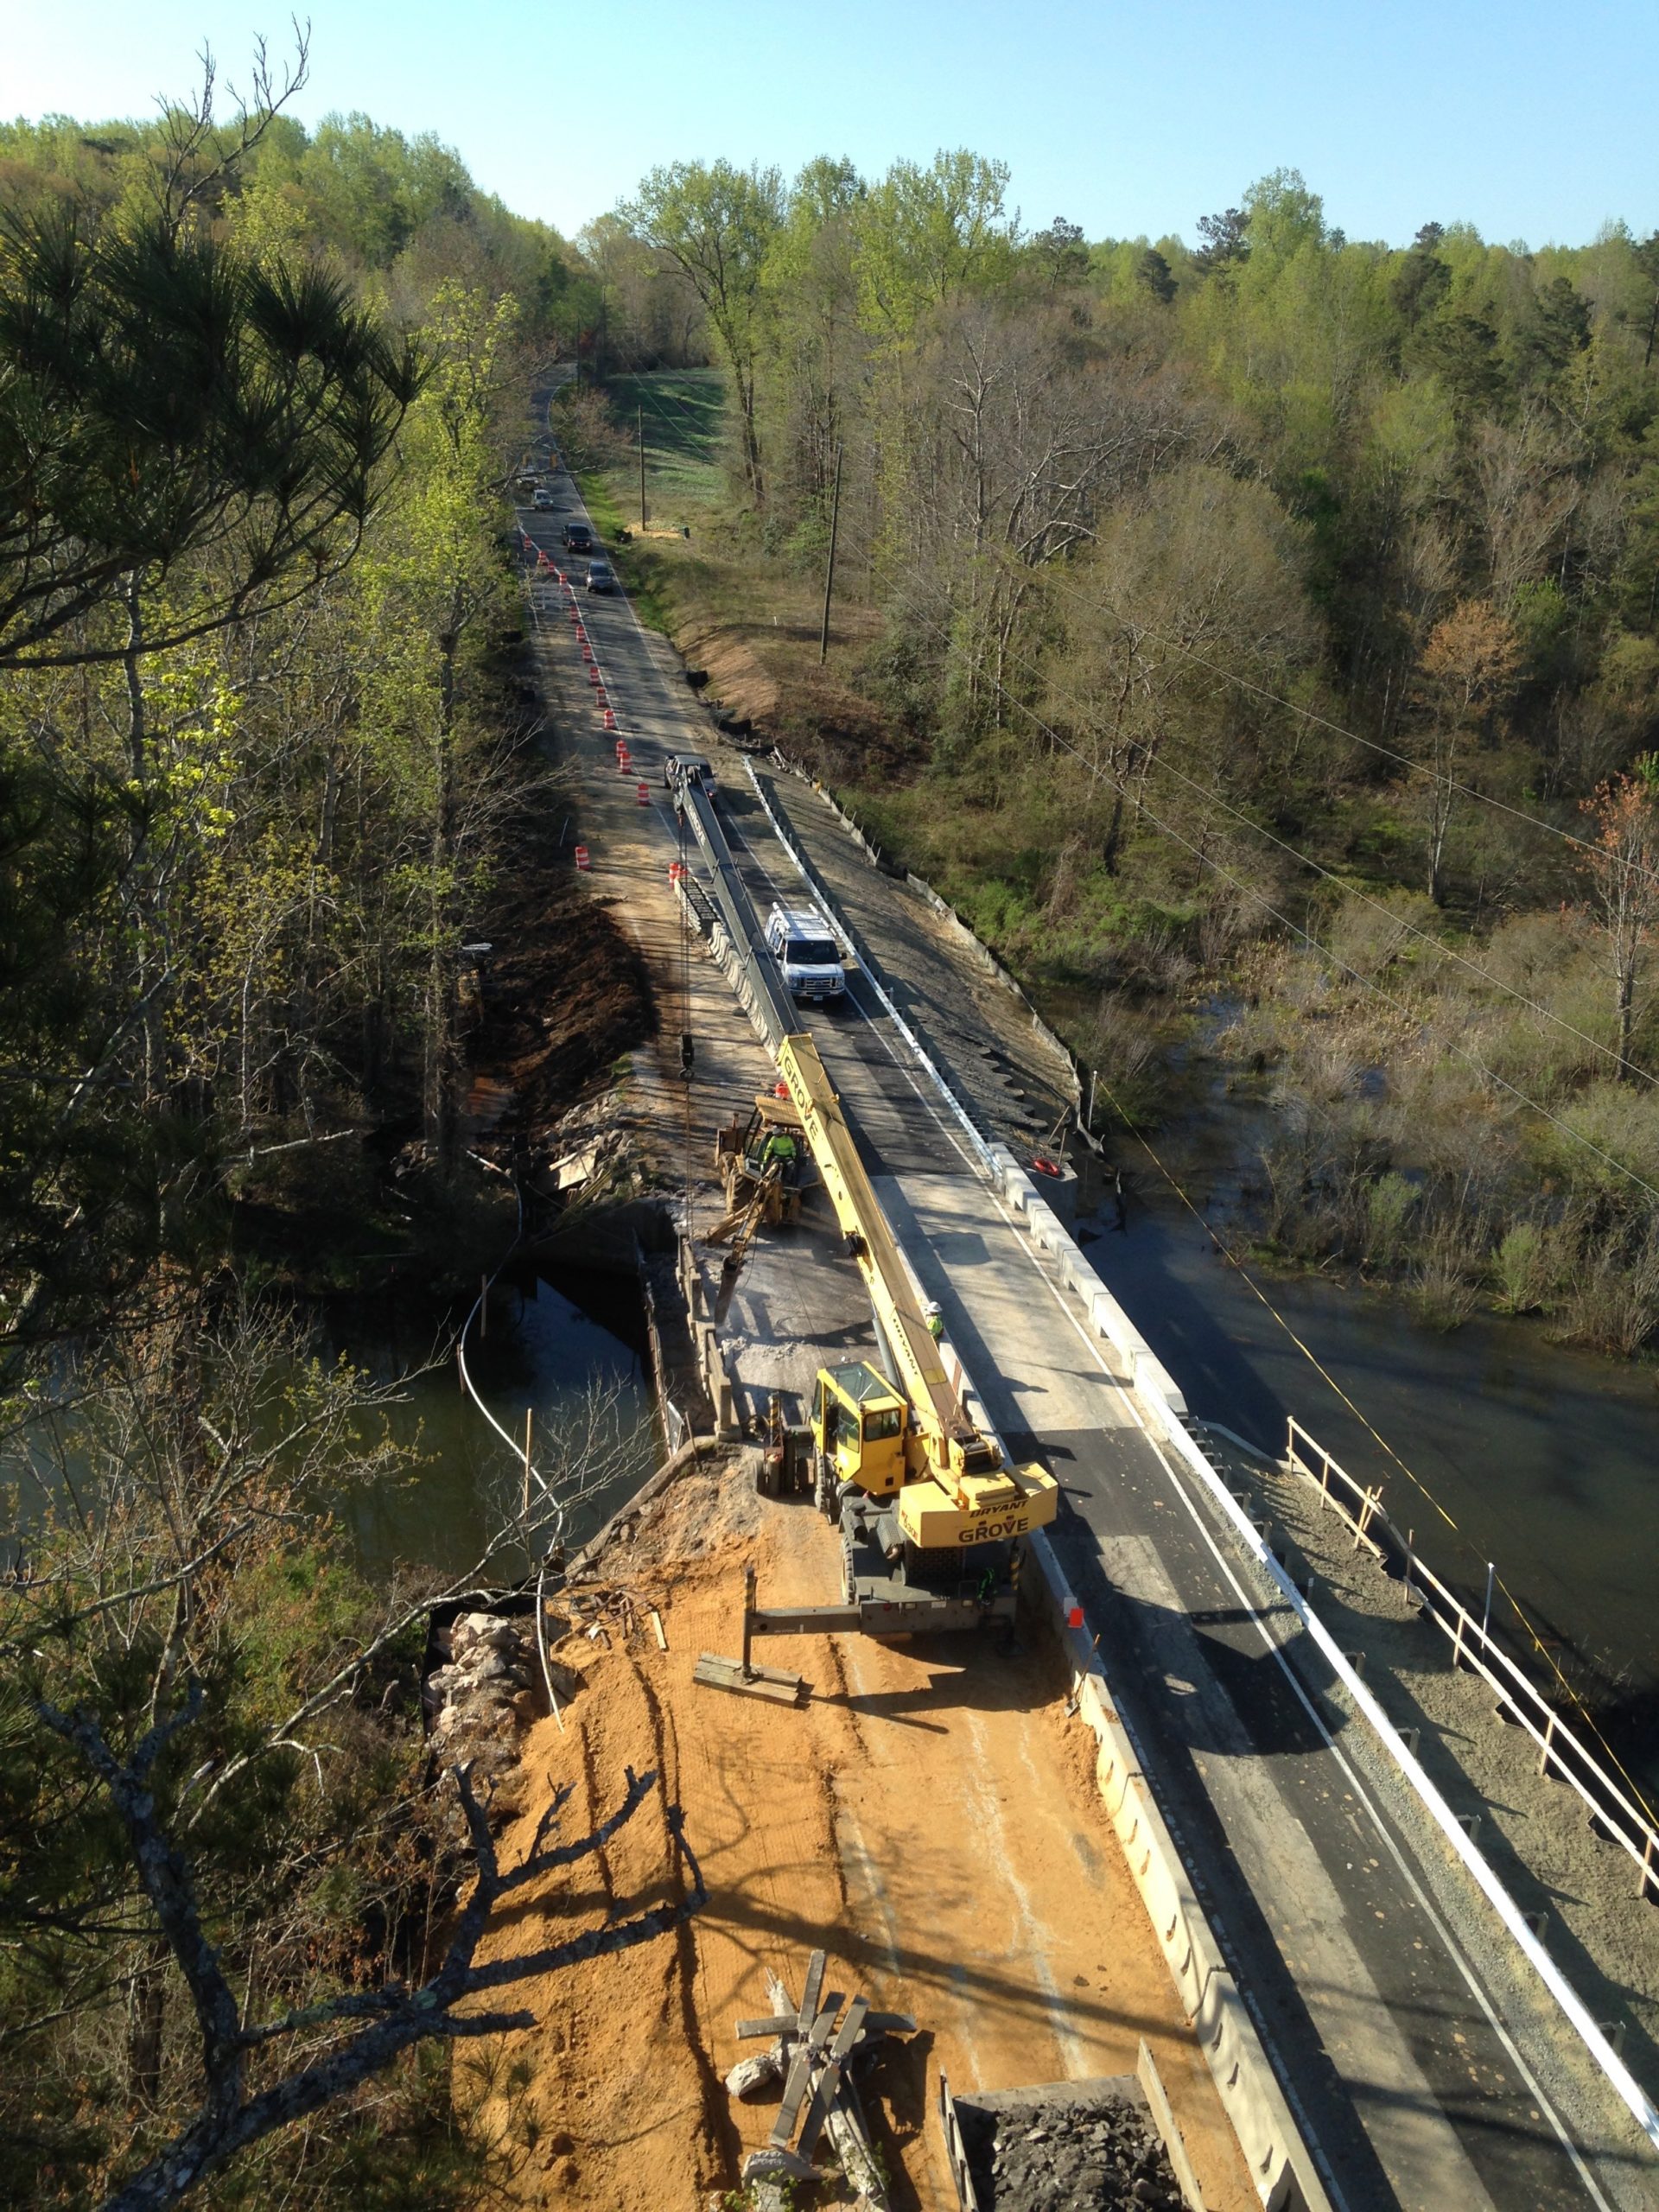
pixel 477 1702
pixel 1107 2157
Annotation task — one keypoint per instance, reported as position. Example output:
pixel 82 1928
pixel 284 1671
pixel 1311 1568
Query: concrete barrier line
pixel 1164 1411
pixel 1282 2166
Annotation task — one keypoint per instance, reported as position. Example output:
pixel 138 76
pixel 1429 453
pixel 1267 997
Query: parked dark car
pixel 578 538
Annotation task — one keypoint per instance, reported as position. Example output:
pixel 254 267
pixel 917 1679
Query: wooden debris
pixel 656 1625
pixel 719 1674
pixel 811 2055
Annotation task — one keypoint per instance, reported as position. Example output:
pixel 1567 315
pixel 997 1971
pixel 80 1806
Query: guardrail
pixel 1513 1920
pixel 773 1009
pixel 1561 1752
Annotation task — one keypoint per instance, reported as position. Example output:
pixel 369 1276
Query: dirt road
pixel 929 1820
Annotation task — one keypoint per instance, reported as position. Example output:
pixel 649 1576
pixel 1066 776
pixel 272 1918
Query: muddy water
pixel 550 1342
pixel 1546 1458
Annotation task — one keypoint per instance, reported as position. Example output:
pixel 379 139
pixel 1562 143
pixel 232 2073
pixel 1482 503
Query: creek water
pixel 1546 1460
pixel 553 1341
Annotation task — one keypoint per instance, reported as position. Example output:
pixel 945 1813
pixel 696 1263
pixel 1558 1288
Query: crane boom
pixel 939 1411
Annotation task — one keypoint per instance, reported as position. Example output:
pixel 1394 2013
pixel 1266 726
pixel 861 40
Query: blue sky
pixel 1532 121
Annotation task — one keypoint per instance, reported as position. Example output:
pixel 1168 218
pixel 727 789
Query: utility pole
pixel 829 570
pixel 640 416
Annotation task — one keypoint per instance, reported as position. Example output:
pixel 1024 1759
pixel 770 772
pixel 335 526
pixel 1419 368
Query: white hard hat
pixel 932 1307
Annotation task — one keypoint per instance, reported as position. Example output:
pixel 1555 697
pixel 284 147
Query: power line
pixel 1383 1444
pixel 1339 730
pixel 1298 929
pixel 1214 797
pixel 1379 1439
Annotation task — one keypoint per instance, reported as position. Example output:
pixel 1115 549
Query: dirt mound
pixel 563 995
pixel 929 1820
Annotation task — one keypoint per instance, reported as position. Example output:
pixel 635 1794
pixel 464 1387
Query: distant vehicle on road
pixel 542 499
pixel 601 577
pixel 527 485
pixel 692 767
pixel 799 941
pixel 578 538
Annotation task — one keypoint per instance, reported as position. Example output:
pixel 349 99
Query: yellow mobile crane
pixel 930 1509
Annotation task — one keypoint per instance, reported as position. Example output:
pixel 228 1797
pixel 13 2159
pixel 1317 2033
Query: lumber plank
pixel 806 2057
pixel 808 2011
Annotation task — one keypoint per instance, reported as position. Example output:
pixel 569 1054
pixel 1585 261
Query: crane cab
pixel 859 1422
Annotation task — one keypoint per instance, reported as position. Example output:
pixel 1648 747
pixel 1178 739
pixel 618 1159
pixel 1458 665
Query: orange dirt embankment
pixel 929 1819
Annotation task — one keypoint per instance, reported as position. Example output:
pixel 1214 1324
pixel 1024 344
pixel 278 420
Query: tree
pixel 1423 279
pixel 213 1833
pixel 339 2043
pixel 1153 274
pixel 1467 669
pixel 1226 241
pixel 1647 260
pixel 1623 864
pixel 716 224
pixel 1060 252
pixel 166 402
pixel 927 236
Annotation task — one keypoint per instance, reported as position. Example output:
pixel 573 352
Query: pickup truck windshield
pixel 811 952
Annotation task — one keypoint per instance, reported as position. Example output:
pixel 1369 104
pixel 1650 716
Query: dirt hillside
pixel 929 1820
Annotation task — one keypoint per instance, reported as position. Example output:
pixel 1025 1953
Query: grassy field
pixel 682 412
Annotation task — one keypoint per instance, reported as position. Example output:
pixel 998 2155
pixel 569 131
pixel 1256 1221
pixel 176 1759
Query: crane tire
pixel 848 1580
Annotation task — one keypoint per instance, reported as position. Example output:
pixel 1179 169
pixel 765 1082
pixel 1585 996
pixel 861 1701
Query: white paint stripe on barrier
pixel 1156 1391
pixel 1282 2166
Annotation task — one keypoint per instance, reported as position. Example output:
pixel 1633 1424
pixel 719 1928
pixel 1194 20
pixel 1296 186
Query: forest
pixel 268 763
pixel 1258 640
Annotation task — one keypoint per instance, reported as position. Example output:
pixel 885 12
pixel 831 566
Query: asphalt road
pixel 1410 2085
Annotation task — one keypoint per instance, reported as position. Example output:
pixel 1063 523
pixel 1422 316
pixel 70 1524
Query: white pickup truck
pixel 800 940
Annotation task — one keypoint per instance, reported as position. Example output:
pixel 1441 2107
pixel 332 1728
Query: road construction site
pixel 976 1835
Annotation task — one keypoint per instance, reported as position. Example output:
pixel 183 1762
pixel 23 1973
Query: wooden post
pixel 529 1417
pixel 1456 1640
pixel 1543 1755
pixel 1647 1859
pixel 1411 1538
pixel 748 1615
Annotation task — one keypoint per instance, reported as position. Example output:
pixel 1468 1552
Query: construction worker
pixel 781 1147
pixel 935 1320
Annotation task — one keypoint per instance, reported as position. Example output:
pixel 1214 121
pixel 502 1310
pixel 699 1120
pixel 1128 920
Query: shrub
pixel 1388 1203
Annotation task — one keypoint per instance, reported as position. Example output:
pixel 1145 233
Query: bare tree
pixel 1623 863
pixel 344 2040
pixel 1467 669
